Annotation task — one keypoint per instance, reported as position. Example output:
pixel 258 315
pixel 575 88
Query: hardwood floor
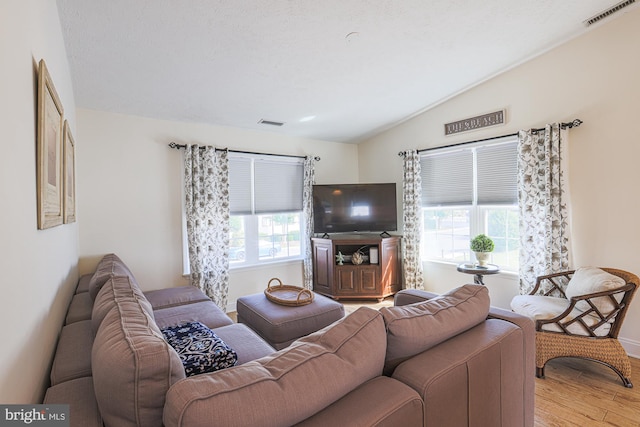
pixel 577 392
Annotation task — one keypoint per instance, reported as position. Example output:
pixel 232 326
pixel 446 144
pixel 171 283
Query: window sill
pixel 265 264
pixel 259 266
pixel 454 265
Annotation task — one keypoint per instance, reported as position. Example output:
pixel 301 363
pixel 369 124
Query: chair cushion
pixel 538 307
pixel 199 348
pixel 588 280
pixel 414 328
pixel 304 378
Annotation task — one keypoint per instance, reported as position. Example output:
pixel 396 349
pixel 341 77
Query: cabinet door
pixel 368 280
pixel 323 268
pixel 346 280
pixel 391 265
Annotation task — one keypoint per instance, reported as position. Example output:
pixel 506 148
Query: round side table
pixel 478 271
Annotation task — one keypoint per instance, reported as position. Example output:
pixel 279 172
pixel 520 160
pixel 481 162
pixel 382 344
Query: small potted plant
pixel 482 246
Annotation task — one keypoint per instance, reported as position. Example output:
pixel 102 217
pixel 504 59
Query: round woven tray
pixel 288 295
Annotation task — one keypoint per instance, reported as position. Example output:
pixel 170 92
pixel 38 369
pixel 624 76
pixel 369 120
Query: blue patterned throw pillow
pixel 199 348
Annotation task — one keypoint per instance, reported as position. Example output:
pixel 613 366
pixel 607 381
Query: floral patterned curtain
pixel 206 177
pixel 542 200
pixel 412 220
pixel 307 213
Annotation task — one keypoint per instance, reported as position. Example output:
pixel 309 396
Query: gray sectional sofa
pixel 431 360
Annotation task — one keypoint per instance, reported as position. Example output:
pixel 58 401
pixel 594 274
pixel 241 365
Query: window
pixel 265 197
pixel 467 191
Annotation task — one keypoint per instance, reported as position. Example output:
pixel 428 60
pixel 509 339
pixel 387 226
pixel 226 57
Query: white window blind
pixel 259 186
pixel 447 178
pixel 497 174
pixel 278 186
pixel 450 176
pixel 240 186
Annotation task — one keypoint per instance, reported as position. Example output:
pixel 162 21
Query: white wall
pixel 594 78
pixel 39 267
pixel 129 192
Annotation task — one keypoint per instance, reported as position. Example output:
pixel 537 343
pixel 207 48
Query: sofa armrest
pixel 482 374
pixel 528 327
pixel 521 321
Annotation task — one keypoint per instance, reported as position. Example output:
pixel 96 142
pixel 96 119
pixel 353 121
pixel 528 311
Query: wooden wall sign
pixel 485 120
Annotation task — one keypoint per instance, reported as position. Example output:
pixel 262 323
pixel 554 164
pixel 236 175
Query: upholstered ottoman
pixel 280 325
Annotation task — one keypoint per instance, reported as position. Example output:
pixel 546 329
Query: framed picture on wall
pixel 69 175
pixel 49 151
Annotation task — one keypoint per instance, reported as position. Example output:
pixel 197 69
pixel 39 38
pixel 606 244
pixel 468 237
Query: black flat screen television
pixel 344 208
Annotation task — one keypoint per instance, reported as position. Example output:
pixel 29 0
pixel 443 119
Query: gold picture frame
pixel 69 175
pixel 49 151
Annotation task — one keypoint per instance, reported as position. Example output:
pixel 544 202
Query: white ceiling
pixel 356 66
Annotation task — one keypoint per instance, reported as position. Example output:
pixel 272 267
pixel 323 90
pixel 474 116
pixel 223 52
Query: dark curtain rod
pixel 179 146
pixel 568 125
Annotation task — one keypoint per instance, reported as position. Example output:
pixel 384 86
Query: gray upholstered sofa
pixel 431 360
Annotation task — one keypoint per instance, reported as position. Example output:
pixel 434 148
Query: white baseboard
pixel 632 347
pixel 231 306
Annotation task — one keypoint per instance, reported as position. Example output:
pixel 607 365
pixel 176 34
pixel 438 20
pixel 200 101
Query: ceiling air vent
pixel 270 122
pixel 608 12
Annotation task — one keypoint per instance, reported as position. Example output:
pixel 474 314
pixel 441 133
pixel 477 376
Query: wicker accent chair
pixel 579 326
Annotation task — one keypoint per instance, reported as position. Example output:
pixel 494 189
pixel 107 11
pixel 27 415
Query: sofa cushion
pixel 247 344
pixel 133 366
pixel 79 395
pixel 588 280
pixel 414 328
pixel 110 265
pixel 83 283
pixel 205 312
pixel 80 308
pixel 382 401
pixel 199 348
pixel 304 378
pixel 73 353
pixel 105 300
pixel 170 297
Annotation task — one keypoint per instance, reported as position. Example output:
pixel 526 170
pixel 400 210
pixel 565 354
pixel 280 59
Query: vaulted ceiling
pixel 337 70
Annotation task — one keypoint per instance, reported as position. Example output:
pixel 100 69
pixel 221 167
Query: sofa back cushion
pixel 288 386
pixel 133 366
pixel 109 266
pixel 106 300
pixel 414 328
